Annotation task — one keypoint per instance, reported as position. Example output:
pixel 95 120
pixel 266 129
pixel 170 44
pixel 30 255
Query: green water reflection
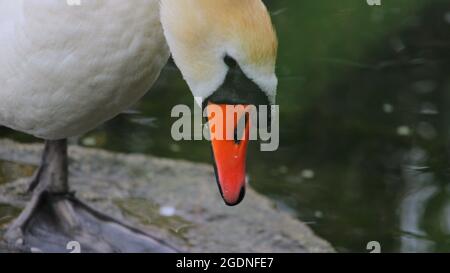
pixel 365 122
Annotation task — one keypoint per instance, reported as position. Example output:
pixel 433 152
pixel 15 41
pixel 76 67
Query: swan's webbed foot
pixel 55 221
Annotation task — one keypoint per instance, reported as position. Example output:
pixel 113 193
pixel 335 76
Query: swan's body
pixel 65 69
pixel 57 82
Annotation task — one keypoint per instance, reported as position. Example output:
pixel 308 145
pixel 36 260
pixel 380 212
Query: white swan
pixel 65 69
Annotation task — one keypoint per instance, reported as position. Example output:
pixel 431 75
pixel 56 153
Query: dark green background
pixel 365 105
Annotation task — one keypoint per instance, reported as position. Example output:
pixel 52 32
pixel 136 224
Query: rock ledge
pixel 175 200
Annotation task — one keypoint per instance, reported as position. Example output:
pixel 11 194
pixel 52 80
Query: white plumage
pixel 66 69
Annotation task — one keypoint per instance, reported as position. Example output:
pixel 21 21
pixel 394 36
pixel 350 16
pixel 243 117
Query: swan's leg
pixel 54 160
pixel 51 177
pixel 34 181
pixel 54 212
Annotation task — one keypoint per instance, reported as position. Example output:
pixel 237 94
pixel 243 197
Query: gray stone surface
pixel 174 200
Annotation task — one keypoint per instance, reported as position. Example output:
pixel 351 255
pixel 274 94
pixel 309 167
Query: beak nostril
pixel 240 134
pixel 236 138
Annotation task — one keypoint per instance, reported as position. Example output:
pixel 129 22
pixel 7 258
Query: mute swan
pixel 65 69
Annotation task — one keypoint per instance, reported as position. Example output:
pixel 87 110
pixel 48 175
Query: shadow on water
pixel 365 122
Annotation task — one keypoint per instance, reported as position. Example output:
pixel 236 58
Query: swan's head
pixel 226 51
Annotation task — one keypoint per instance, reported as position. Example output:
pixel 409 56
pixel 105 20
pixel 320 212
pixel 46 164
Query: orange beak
pixel 229 150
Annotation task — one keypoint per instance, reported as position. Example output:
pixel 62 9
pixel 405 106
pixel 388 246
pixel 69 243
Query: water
pixel 365 123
